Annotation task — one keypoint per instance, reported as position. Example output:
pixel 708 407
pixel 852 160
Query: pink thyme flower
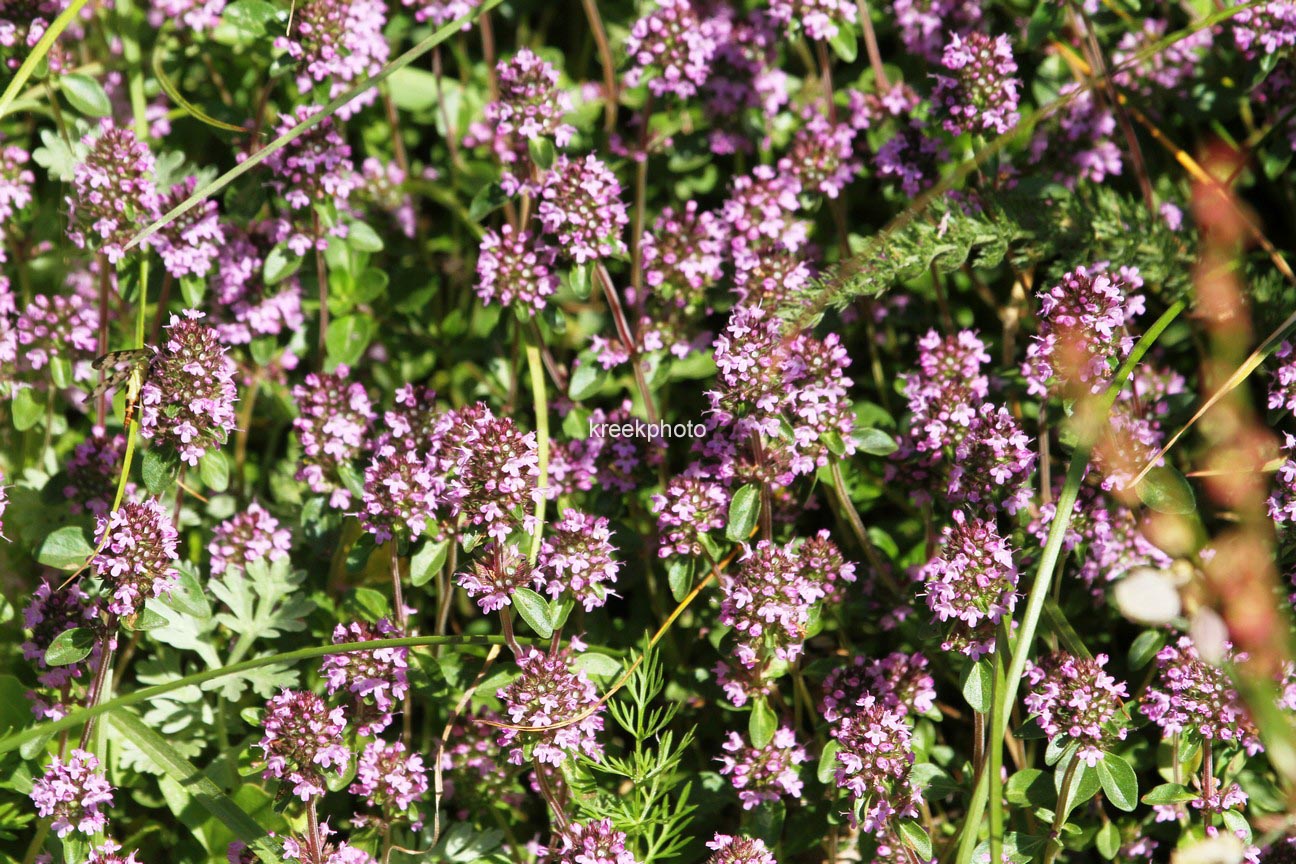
pixel 577 557
pixel 189 244
pixel 671 47
pixel 498 475
pixel 874 765
pixel 515 267
pixel 761 209
pixel 400 496
pixel 899 681
pixel 72 793
pixel 993 462
pixel 530 106
pixel 58 327
pixel 376 680
pixel 580 204
pixel 52 611
pixel 1168 71
pixel 16 181
pixel 327 852
pixel 495 576
pixel 972 581
pixel 302 740
pixel 334 416
pixel 198 16
pixel 476 772
pixel 138 559
pixel 739 850
pixel 1084 328
pixel 547 691
pixel 764 773
pixel 924 24
pixel 251 535
pixel 820 19
pixel 441 12
pixel 981 94
pixel 596 842
pixel 1282 384
pixel 114 192
pixel 315 169
pixel 689 508
pixel 822 155
pixel 388 780
pixel 1076 698
pixel 683 254
pixel 1266 29
pixel 339 42
pixel 109 852
pixel 243 307
pixel 1197 698
pixel 912 156
pixel 92 472
pixel 187 404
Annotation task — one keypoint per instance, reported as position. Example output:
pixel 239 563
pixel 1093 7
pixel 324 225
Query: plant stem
pixel 605 58
pixel 541 403
pixel 1059 818
pixel 547 791
pixel 624 333
pixel 506 625
pixel 398 595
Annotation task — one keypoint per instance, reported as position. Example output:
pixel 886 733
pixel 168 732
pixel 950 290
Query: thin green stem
pixel 1043 580
pixel 541 403
pixel 38 53
pixel 1059 818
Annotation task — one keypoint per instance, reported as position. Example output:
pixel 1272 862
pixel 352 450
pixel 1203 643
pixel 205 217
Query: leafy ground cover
pixel 740 431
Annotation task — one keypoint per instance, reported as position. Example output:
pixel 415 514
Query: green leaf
pixel 1118 781
pixel 462 844
pixel 280 263
pixel 213 467
pixel 762 724
pixel 542 152
pixel 578 279
pixel 248 18
pixel 833 441
pixel 976 681
pixel 159 470
pixel 428 561
pixel 61 372
pixel 357 557
pixel 1029 786
pixel 587 380
pixel 1169 793
pixel 413 89
pixel 1108 839
pixel 1167 491
pixel 534 610
pixel 845 44
pixel 487 200
pixel 196 784
pixel 362 238
pixel 27 412
pixel 1045 19
pixel 65 549
pixel 347 338
pixel 147 620
pixel 367 603
pixel 85 94
pixel 679 576
pixel 915 837
pixel 70 646
pixel 1237 825
pixel 1144 648
pixel 743 510
pixel 827 769
pixel 596 665
pixel 874 442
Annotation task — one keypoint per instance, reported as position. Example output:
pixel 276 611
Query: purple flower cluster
pixel 820 19
pixel 768 600
pixel 728 849
pixel 16 181
pixel 108 853
pixel 334 416
pixel 197 16
pixel 689 508
pixel 248 536
pixel 1282 384
pixel 246 308
pixel 1076 698
pixel 114 192
pixel 673 47
pixel 822 155
pixel 389 780
pixel 315 168
pixel 596 842
pixel 498 475
pixel 302 739
pixel 138 559
pixel 1083 141
pixel 547 691
pixel 58 326
pixel 924 24
pixel 92 472
pixel 764 773
pixel 187 403
pixel 400 496
pixel 683 255
pixel 1166 71
pixel 515 266
pixel 972 581
pixel 580 204
pixel 71 793
pixel 338 41
pixel 496 575
pixel 52 611
pixel 1084 322
pixel 1194 697
pixel 874 763
pixel 981 95
pixel 899 681
pixel 577 558
pixel 377 680
pixel 1266 29
pixel 190 243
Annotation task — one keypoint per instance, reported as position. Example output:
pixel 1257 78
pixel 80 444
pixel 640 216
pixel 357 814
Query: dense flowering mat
pixel 727 431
